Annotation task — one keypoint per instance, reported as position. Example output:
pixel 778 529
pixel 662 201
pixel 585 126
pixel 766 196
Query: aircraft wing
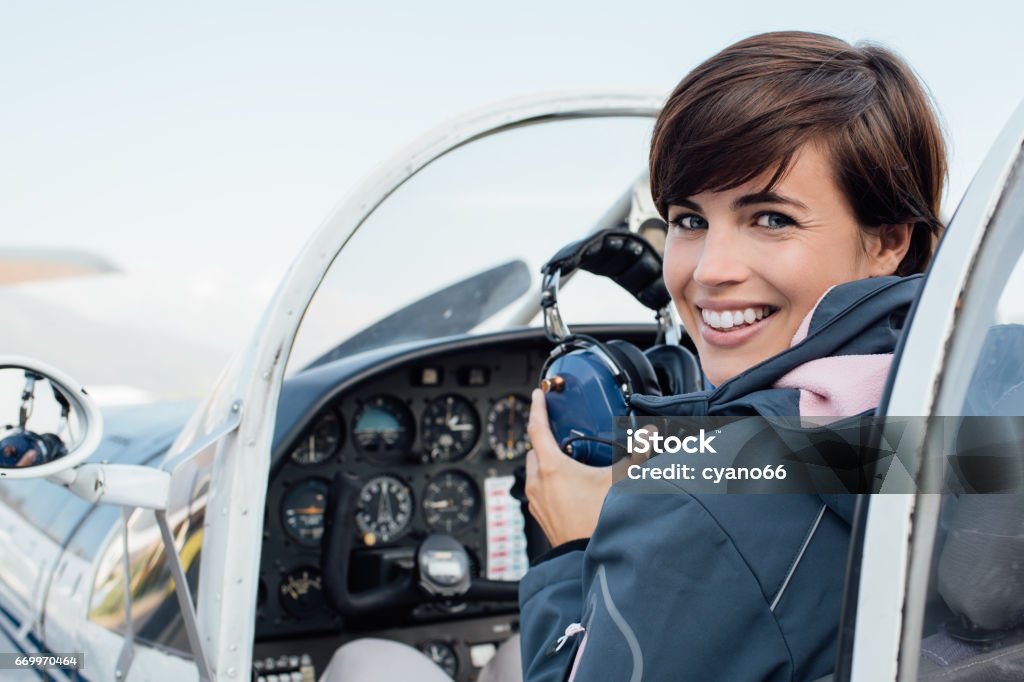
pixel 24 264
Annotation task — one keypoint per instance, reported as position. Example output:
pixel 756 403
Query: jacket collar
pixel 863 317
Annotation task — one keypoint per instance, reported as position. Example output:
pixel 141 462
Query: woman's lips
pixel 735 336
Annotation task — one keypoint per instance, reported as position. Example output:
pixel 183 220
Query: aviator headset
pixel 589 383
pixel 16 442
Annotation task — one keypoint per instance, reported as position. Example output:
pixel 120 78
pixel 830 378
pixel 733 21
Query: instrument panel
pixel 434 442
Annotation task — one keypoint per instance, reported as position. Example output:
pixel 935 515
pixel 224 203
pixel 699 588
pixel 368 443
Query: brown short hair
pixel 748 109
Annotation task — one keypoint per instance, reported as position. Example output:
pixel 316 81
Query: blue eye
pixel 689 221
pixel 774 221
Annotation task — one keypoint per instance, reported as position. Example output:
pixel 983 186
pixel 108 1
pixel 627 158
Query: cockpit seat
pixel 981 579
pixel 980 570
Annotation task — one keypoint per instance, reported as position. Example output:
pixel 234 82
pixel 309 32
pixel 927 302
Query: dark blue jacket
pixel 683 586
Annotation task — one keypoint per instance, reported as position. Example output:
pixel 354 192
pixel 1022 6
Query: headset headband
pixel 627 259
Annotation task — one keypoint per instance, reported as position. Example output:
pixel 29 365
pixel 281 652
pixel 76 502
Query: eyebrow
pixel 747 200
pixel 766 198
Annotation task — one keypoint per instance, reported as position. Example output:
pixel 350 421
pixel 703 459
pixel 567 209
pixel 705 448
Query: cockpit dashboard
pixel 434 434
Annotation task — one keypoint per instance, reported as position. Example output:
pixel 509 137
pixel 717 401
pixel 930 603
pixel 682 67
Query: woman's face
pixel 744 267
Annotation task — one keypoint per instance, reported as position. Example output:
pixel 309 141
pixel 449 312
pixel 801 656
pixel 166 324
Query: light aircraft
pixel 395 358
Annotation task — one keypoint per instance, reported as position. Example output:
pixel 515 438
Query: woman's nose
pixel 722 259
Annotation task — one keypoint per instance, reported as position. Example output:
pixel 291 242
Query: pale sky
pixel 198 145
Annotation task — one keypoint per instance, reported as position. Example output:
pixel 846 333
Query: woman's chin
pixel 719 366
pixel 719 370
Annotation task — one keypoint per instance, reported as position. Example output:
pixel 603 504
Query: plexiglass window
pixel 974 619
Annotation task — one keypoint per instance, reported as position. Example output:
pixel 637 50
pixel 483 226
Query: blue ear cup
pixel 587 383
pixel 20 447
pixel 16 443
pixel 584 393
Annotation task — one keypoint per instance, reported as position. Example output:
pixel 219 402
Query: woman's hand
pixel 565 496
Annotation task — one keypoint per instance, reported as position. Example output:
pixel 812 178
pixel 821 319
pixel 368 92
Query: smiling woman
pixel 787 164
pixel 801 177
pixel 745 266
pixel 792 169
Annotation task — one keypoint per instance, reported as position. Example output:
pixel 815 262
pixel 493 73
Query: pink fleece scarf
pixel 837 386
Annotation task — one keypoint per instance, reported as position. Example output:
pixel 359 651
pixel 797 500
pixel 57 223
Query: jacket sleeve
pixel 550 598
pixel 672 597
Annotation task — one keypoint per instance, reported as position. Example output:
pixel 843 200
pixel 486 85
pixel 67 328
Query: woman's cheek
pixel 688 320
pixel 673 272
pixel 677 271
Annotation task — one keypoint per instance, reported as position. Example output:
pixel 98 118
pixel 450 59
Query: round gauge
pixel 383 426
pixel 443 655
pixel 302 511
pixel 384 508
pixel 451 502
pixel 320 442
pixel 506 427
pixel 450 428
pixel 301 592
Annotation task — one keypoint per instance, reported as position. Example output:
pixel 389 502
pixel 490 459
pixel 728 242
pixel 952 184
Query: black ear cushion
pixel 54 445
pixel 676 368
pixel 635 365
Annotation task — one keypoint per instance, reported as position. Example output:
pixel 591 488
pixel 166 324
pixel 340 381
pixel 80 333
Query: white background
pixel 197 145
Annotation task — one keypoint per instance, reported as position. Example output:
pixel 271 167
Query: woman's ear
pixel 887 247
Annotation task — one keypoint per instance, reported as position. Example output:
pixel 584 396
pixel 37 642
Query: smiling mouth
pixel 731 320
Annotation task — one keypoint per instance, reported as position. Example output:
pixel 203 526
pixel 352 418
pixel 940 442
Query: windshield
pixel 459 246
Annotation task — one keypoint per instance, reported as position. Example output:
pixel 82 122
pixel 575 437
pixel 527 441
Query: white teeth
pixel 730 319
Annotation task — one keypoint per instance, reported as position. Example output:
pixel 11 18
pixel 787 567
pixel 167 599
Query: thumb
pixel 538 428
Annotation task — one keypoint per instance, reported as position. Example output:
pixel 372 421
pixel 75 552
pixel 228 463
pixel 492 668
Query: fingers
pixel 564 495
pixel 538 406
pixel 535 493
pixel 532 472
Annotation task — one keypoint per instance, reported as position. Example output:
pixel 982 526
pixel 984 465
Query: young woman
pixel 801 180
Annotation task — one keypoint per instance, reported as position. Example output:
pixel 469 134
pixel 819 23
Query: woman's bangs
pixel 722 172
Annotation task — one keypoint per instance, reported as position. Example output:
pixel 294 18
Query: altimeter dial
pixel 451 428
